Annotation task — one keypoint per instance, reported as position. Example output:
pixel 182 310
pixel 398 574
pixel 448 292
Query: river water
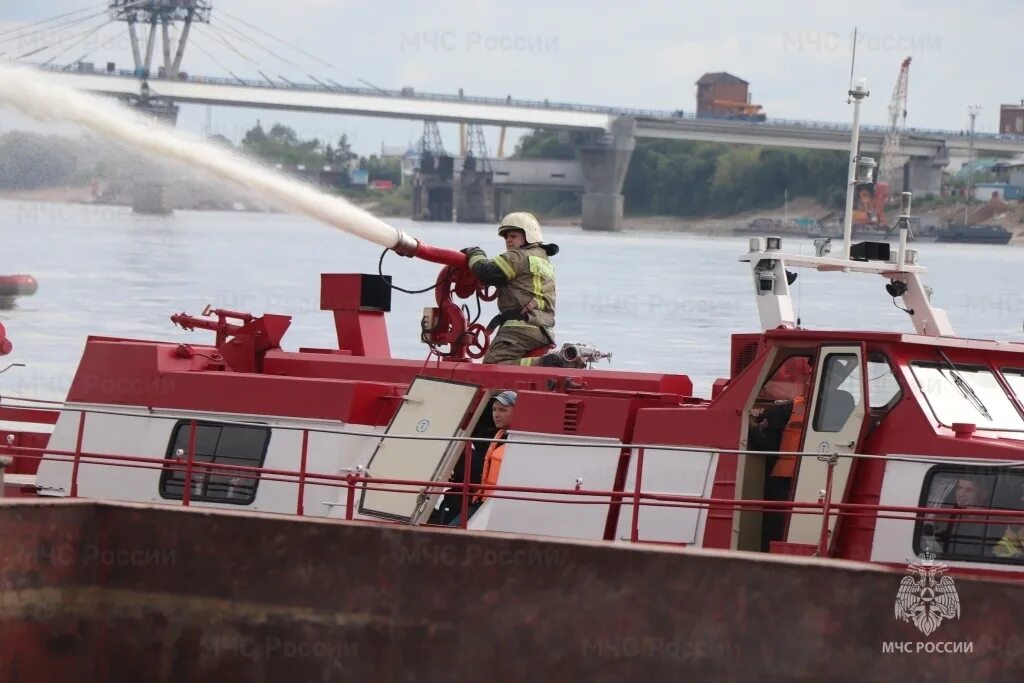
pixel 659 302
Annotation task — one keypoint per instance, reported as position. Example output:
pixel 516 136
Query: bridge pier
pixel 151 197
pixel 475 198
pixel 502 204
pixel 604 164
pixel 923 175
pixel 151 194
pixel 433 189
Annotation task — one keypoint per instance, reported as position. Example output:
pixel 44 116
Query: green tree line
pixel 684 178
pixel 665 177
pixel 29 160
pixel 282 145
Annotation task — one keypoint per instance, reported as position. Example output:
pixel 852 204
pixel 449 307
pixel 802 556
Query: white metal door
pixel 834 422
pixel 431 408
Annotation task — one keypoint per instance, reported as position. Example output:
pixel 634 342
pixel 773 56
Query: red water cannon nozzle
pixel 413 248
pixel 445 324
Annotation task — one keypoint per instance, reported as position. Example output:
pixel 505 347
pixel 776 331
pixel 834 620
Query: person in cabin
pixel 525 280
pixel 967 493
pixel 777 428
pixel 502 412
pixel 953 534
pixel 1011 545
pixel 767 424
pixel 789 385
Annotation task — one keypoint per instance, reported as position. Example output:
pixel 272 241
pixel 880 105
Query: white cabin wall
pixel 677 473
pixel 554 467
pixel 54 476
pixel 145 433
pixel 337 454
pixel 122 435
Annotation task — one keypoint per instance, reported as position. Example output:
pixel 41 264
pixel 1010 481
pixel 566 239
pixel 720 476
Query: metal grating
pixel 571 416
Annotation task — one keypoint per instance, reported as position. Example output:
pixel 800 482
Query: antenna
pixel 799 290
pixel 853 63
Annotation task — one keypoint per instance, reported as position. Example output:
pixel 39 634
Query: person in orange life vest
pixel 791 381
pixel 502 411
pixel 788 388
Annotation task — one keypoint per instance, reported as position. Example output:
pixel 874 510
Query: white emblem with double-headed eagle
pixel 926 597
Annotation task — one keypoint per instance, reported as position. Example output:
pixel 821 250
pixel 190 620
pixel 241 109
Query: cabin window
pixel 962 533
pixel 790 379
pixel 883 388
pixel 1015 378
pixel 967 394
pixel 216 444
pixel 839 392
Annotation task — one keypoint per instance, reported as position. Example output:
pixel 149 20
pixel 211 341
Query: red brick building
pixel 1011 118
pixel 713 89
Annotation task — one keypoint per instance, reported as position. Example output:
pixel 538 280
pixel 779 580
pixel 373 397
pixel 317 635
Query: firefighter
pixel 525 280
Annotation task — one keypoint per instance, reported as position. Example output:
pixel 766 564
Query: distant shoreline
pixel 706 226
pixel 695 225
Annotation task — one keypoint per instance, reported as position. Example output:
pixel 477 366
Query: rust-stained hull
pixel 94 591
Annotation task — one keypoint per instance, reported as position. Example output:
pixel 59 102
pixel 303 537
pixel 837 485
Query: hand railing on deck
pixel 355 480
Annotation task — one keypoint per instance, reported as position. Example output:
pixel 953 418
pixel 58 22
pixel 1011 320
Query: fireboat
pixel 888 417
pixel 894 445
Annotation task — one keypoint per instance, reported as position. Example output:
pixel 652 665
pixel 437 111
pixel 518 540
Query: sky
pixel 644 54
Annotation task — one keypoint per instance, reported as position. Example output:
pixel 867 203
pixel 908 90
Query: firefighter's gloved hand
pixel 470 252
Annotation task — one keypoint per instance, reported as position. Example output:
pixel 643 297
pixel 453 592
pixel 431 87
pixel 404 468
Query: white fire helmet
pixel 527 222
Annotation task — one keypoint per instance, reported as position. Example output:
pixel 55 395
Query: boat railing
pixel 357 480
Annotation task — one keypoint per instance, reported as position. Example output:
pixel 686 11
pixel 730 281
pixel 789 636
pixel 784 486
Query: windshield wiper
pixel 965 388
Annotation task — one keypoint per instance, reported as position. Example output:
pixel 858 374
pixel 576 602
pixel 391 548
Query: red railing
pixel 353 481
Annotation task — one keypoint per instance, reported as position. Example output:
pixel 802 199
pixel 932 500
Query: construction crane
pixel 431 143
pixel 891 157
pixel 476 148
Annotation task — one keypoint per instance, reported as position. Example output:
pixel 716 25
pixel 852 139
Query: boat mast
pixel 857 93
pixel 772 279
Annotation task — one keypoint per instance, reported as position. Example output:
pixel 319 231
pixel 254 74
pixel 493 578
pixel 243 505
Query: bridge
pixel 537 174
pixel 519 113
pixel 609 133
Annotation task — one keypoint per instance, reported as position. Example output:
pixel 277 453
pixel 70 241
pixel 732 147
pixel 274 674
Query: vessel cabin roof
pixel 316 383
pixel 805 335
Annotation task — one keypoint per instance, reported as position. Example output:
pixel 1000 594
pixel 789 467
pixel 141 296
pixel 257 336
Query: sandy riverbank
pixel 1010 216
pixel 77 195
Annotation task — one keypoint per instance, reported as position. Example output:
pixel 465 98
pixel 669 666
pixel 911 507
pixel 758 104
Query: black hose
pixel 380 272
